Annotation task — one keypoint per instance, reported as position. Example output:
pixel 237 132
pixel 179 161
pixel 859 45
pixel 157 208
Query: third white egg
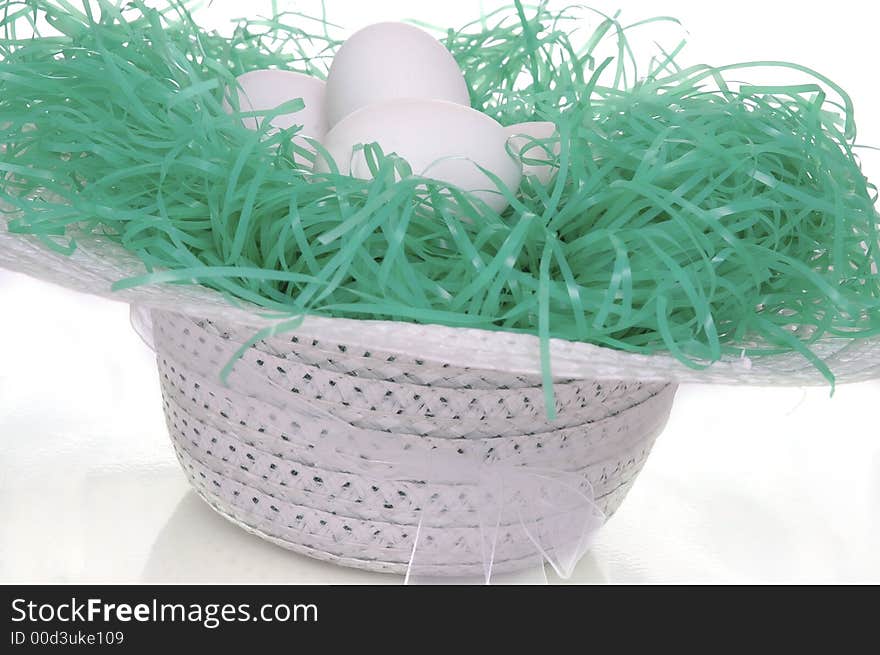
pixel 440 140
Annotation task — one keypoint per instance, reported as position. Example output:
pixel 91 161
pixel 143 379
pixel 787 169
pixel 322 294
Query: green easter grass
pixel 689 214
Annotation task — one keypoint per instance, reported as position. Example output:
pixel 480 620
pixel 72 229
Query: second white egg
pixel 266 90
pixel 440 140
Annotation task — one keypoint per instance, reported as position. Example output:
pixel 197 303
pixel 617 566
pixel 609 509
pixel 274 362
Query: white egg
pixel 265 90
pixel 390 61
pixel 440 140
pixel 522 143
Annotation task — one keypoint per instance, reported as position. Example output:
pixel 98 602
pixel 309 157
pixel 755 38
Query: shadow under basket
pixel 350 455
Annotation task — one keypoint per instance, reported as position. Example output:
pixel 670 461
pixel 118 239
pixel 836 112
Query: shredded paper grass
pixel 690 213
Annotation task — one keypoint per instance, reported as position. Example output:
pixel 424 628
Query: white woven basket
pixel 260 463
pixel 367 442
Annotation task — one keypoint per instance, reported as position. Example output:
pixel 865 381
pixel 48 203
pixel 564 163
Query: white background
pixel 745 485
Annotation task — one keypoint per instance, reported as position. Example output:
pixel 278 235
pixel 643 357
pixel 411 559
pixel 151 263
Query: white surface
pixel 745 485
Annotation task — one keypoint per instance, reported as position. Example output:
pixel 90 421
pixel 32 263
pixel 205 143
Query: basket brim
pixel 98 263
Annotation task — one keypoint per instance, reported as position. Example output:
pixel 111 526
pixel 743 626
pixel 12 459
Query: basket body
pixel 260 458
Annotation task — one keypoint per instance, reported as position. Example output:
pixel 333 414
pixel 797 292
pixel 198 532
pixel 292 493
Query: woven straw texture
pixel 292 448
pixel 261 459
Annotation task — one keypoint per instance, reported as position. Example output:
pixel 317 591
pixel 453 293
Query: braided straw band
pixel 399 465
